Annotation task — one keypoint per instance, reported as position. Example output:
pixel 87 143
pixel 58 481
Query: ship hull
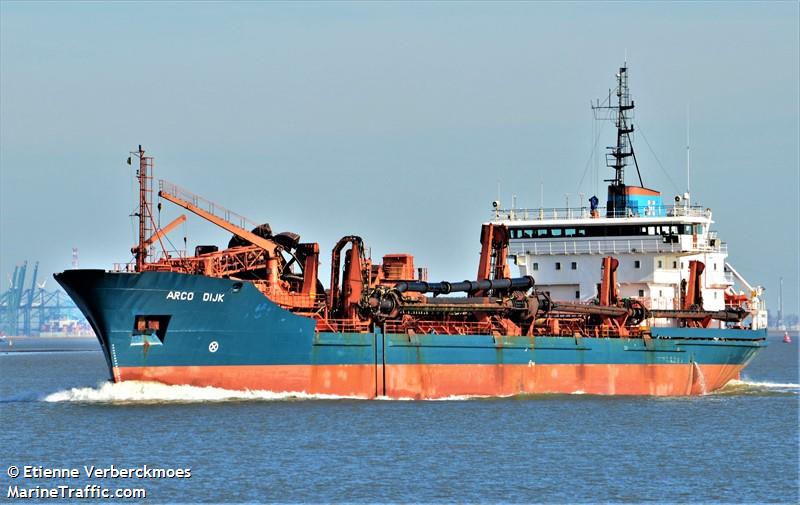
pixel 444 381
pixel 224 333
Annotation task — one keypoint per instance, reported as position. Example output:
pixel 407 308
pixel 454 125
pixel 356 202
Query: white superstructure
pixel 563 248
pixel 654 243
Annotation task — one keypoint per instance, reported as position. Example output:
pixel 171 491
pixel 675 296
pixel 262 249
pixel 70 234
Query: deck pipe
pixel 443 288
pixel 732 315
pixel 586 309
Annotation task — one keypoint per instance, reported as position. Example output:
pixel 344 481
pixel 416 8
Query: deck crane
pixel 262 252
pixel 753 298
pixel 160 233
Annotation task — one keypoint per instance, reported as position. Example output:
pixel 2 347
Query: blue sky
pixel 389 120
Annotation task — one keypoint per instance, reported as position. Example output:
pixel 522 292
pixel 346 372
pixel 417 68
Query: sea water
pixel 740 444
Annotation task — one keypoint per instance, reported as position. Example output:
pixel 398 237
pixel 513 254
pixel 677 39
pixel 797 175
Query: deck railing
pixel 198 201
pixel 342 326
pixel 439 327
pixel 552 213
pixel 537 248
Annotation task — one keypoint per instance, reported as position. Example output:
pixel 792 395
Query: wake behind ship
pixel 256 316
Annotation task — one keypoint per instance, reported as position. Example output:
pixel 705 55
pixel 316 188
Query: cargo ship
pixel 256 316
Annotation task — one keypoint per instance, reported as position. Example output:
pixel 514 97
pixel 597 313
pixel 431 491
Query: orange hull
pixel 441 381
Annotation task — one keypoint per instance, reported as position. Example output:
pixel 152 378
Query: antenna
pixel 594 151
pixel 688 164
pixel 74 257
pixel 513 211
pixel 541 193
pixel 621 114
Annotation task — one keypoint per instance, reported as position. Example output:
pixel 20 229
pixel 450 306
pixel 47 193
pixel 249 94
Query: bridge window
pixel 637 264
pixel 536 266
pixel 558 265
pixel 606 231
pixel 641 293
pixel 574 265
pixel 660 264
pixel 578 294
pixel 674 264
pixel 521 233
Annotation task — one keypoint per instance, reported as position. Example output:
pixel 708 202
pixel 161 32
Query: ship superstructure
pixel 655 242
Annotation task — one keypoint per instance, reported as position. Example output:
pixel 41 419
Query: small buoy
pixel 786 338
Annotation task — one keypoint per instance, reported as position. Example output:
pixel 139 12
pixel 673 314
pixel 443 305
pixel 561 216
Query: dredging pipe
pixel 727 315
pixel 444 287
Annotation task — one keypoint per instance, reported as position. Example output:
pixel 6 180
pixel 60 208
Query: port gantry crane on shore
pixel 34 310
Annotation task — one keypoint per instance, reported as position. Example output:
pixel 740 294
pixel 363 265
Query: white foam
pixel 460 398
pixel 154 392
pixel 764 384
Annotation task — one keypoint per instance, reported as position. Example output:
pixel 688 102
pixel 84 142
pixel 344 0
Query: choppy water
pixel 737 445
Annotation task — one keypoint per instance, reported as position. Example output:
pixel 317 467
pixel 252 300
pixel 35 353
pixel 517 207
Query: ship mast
pixel 621 113
pixel 145 212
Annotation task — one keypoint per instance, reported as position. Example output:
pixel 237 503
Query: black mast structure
pixel 621 114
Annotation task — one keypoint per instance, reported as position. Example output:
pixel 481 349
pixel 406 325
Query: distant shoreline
pixel 53 335
pixel 62 343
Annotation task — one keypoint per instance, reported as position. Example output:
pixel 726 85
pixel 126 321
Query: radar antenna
pixel 621 114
